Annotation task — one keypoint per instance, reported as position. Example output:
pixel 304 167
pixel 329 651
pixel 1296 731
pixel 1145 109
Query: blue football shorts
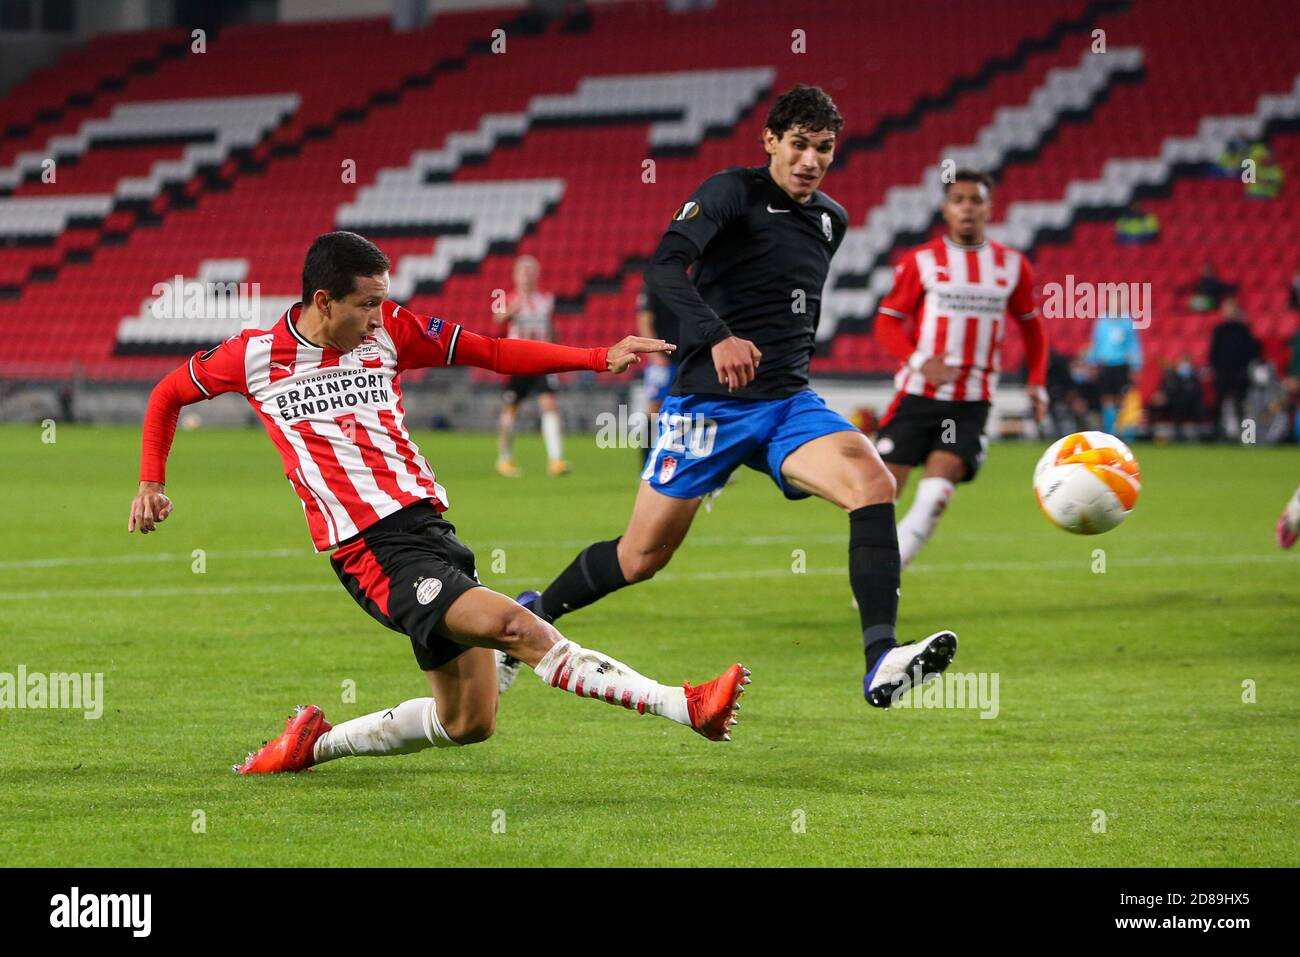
pixel 704 438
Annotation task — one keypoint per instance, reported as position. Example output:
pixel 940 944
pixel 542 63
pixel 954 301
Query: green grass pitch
pixel 1120 693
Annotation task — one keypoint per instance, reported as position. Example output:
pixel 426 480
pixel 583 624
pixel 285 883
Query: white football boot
pixel 904 665
pixel 507 671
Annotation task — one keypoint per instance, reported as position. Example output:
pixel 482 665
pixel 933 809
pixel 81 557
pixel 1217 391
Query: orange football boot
pixel 713 705
pixel 292 750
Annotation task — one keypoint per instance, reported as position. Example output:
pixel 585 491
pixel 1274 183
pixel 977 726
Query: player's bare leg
pixel 506 440
pixel 844 469
pixel 552 434
pixel 465 689
pixel 943 470
pixel 657 528
pixel 900 474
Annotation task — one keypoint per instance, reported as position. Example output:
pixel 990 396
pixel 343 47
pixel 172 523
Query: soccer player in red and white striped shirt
pixel 959 290
pixel 325 382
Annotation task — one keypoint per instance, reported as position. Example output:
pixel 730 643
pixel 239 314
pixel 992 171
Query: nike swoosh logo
pixel 771 210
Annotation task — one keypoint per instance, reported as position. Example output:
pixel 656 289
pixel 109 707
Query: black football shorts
pixel 1113 380
pixel 405 571
pixel 521 387
pixel 915 426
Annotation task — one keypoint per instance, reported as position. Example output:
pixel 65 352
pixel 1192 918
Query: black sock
pixel 590 577
pixel 874 572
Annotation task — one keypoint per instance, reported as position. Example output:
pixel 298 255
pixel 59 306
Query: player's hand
pixel 937 372
pixel 149 507
pixel 627 353
pixel 736 362
pixel 1037 401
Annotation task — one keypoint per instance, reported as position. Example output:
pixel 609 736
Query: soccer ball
pixel 1087 482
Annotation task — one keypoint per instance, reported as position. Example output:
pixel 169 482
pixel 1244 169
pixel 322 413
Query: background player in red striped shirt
pixel 959 289
pixel 324 381
pixel 528 315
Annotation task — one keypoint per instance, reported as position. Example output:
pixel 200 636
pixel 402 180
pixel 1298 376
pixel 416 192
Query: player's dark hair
pixel 334 262
pixel 970 176
pixel 804 106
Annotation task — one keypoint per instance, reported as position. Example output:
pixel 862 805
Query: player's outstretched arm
pixel 151 504
pixel 531 357
pixel 628 351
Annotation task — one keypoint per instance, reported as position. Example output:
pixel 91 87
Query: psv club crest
pixel 666 468
pixel 426 589
pixel 826 226
pixel 368 353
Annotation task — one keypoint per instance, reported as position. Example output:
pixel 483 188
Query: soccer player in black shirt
pixel 761 240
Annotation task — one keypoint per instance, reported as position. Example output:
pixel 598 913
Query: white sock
pixel 589 674
pixel 553 436
pixel 411 726
pixel 932 494
pixel 506 437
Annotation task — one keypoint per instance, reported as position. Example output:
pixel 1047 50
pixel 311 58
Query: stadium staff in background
pixel 654 319
pixel 1269 176
pixel 1137 226
pixel 761 240
pixel 527 315
pixel 1117 354
pixel 1178 402
pixel 1207 291
pixel 1233 347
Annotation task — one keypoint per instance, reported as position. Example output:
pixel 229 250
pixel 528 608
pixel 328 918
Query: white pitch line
pixel 165 592
pixel 72 561
pixel 732 574
pixel 709 541
pixel 132 559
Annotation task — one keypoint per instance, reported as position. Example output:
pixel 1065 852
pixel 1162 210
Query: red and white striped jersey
pixel 532 318
pixel 960 296
pixel 336 418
